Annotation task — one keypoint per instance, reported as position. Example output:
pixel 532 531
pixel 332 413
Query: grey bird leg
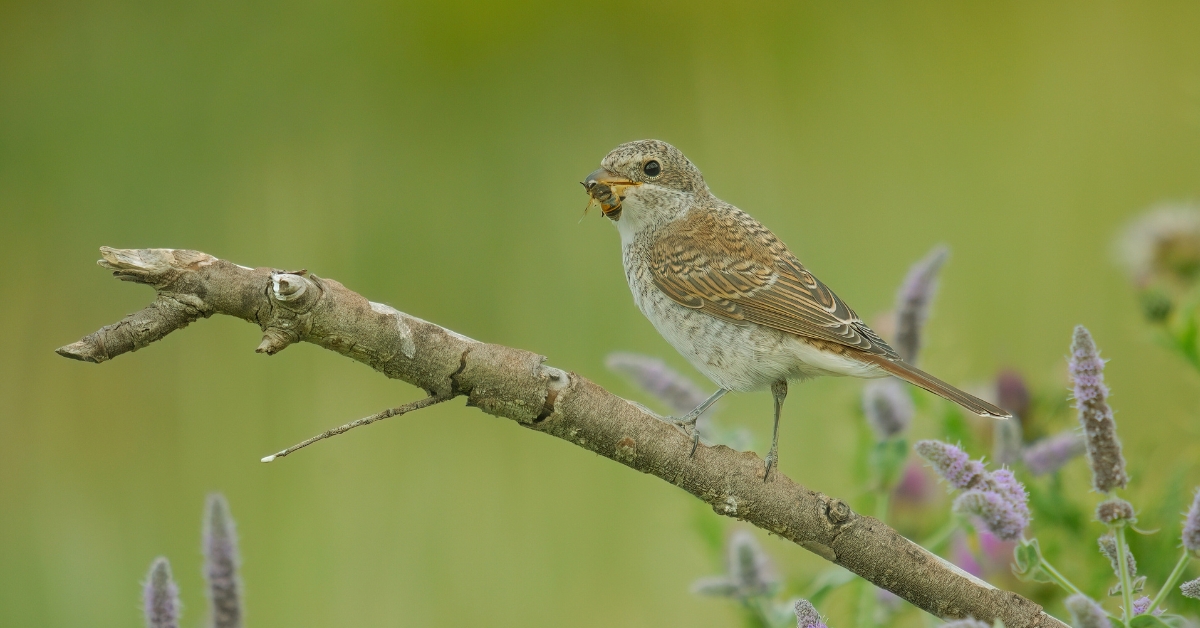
pixel 688 421
pixel 779 391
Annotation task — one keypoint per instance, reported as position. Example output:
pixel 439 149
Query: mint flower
pixel 952 463
pixel 997 498
pixel 1086 613
pixel 1012 394
pixel 807 615
pixel 1004 518
pixel 662 382
pixel 748 571
pixel 913 300
pixel 161 596
pixel 887 406
pixel 1051 453
pixel 1099 428
pixel 1142 603
pixel 1191 526
pixel 221 563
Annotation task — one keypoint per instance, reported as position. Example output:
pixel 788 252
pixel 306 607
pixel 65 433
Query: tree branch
pixel 295 306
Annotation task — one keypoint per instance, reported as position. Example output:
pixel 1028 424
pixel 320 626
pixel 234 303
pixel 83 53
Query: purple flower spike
pixel 221 563
pixel 748 571
pixel 1012 394
pixel 1191 589
pixel 161 596
pixel 952 463
pixel 1011 489
pixel 1050 454
pixel 1099 428
pixel 807 615
pixel 662 382
pixel 749 565
pixel 1086 613
pixel 1003 518
pixel 969 622
pixel 1191 526
pixel 888 407
pixel 1141 604
pixel 913 299
pixel 997 498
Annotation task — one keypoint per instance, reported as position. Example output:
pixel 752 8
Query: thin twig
pixel 341 429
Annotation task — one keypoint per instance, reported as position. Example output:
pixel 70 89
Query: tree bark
pixel 296 306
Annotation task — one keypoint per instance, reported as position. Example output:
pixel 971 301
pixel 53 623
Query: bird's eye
pixel 652 169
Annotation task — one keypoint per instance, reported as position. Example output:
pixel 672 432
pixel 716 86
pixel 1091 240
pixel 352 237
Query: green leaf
pixel 1147 621
pixel 1026 557
pixel 1175 621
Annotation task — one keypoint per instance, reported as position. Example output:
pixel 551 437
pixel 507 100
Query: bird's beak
pixel 608 189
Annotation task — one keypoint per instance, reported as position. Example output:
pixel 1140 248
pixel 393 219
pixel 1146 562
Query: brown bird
pixel 728 294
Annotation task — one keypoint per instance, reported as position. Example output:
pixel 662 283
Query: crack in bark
pixel 515 384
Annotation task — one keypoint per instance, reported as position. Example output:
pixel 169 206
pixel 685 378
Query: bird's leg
pixel 779 391
pixel 688 421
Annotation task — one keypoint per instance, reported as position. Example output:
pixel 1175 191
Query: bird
pixel 729 295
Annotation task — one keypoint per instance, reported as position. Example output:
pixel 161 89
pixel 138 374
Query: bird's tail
pixel 917 377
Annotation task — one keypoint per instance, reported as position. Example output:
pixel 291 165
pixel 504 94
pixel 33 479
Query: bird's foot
pixel 772 461
pixel 687 424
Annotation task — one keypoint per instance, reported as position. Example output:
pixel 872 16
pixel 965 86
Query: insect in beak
pixel 606 189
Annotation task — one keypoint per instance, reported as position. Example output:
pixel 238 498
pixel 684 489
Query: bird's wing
pixel 726 264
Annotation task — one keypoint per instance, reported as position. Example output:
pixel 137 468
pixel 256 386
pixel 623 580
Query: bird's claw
pixel 688 425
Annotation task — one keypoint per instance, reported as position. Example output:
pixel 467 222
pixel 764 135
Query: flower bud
pixel 1191 589
pixel 1111 511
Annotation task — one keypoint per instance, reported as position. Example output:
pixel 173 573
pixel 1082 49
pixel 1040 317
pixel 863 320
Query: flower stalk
pixel 1123 566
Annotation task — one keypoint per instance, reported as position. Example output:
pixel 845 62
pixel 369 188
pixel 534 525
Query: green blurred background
pixel 427 155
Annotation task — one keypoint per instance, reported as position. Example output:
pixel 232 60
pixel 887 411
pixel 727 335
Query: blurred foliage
pixel 427 155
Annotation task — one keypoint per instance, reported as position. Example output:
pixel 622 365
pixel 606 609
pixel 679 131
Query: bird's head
pixel 644 182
